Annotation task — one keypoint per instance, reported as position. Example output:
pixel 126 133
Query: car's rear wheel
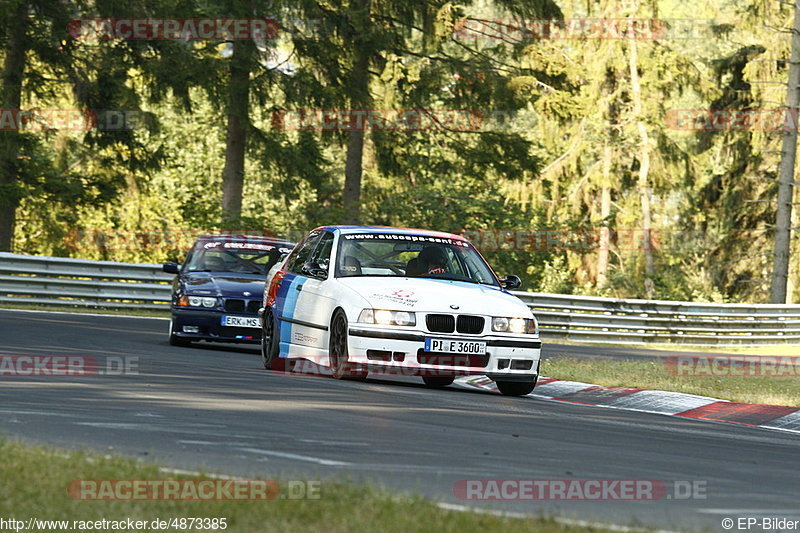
pixel 174 340
pixel 337 349
pixel 270 340
pixel 438 382
pixel 516 388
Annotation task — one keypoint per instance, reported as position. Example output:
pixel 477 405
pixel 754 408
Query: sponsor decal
pixel 249 246
pixel 403 293
pixel 402 237
pixel 403 300
pixel 302 338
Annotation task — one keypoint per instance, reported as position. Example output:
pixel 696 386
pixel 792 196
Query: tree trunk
pixel 783 217
pixel 644 170
pixel 238 124
pixel 11 99
pixel 360 101
pixel 605 212
pixel 353 170
pixel 791 281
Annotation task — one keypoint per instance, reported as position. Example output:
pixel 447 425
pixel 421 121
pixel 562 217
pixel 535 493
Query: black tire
pixel 438 382
pixel 341 368
pixel 174 340
pixel 516 388
pixel 270 340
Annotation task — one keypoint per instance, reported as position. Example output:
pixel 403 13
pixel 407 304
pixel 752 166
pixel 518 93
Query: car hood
pixel 434 296
pixel 224 284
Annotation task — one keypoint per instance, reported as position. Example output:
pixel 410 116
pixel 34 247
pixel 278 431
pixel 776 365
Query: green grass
pixel 98 310
pixel 654 375
pixel 35 481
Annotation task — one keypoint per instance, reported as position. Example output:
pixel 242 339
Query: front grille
pixel 470 324
pixel 452 359
pixel 253 306
pixel 234 306
pixel 440 323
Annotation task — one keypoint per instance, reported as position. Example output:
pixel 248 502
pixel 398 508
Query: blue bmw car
pixel 219 288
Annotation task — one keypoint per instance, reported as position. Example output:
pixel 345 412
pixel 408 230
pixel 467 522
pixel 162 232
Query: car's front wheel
pixel 516 388
pixel 174 340
pixel 270 340
pixel 338 351
pixel 438 382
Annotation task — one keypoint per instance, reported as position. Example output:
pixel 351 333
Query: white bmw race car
pixel 393 301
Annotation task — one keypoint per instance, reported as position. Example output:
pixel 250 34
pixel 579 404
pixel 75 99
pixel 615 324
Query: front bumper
pixel 507 358
pixel 210 328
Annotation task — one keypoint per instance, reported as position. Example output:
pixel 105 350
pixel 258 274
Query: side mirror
pixel 170 268
pixel 284 255
pixel 511 282
pixel 314 270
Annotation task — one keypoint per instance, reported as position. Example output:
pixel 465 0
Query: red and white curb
pixel 779 417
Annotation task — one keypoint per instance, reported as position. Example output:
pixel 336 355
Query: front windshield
pixel 405 255
pixel 240 257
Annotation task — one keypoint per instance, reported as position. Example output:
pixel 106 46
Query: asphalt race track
pixel 214 408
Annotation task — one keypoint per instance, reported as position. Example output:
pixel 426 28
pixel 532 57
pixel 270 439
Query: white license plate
pixel 455 346
pixel 241 321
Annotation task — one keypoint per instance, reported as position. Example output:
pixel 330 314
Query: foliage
pixel 506 132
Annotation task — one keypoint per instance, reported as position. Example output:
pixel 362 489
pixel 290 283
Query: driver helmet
pixel 433 260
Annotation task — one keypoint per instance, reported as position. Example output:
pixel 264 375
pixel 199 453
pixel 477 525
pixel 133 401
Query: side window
pixel 299 257
pixel 188 260
pixel 322 253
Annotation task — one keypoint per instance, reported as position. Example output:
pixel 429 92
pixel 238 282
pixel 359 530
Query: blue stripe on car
pixel 288 302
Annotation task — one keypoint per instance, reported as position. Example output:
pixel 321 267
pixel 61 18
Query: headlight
pixel 499 324
pixel 197 301
pixel 387 318
pixel 515 325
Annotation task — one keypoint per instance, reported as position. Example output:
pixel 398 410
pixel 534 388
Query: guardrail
pixel 111 285
pixel 81 283
pixel 621 321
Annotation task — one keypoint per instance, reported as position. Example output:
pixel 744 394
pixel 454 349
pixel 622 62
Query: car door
pixel 286 289
pixel 314 302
